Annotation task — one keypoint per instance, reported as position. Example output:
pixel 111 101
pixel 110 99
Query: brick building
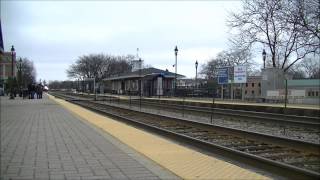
pixel 6 68
pixel 252 89
pixel 6 65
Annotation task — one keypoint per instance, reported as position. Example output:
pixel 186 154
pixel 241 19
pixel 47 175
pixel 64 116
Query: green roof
pixel 304 82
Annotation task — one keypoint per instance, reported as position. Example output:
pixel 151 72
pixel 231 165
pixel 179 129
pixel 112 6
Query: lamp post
pixel 94 88
pixel 286 94
pixel 196 64
pixel 140 66
pixel 20 77
pixel 175 77
pixel 264 54
pixel 12 74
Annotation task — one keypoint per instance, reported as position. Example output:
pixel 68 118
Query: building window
pixel 312 93
pixel 252 92
pixel 245 92
pixel 252 84
pixel 246 84
pixel 259 84
pixel 309 93
pixel 317 93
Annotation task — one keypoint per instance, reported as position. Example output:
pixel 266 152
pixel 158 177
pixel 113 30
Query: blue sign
pixel 223 72
pixel 223 75
pixel 222 80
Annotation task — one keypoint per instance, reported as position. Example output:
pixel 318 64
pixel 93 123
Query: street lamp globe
pixel 196 65
pixel 264 54
pixel 12 49
pixel 176 50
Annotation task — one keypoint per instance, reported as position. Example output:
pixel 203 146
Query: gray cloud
pixel 53 34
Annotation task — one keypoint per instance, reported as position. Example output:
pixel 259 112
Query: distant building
pixel 6 65
pixel 252 89
pixel 247 91
pixel 5 68
pixel 305 91
pixel 153 82
pixel 300 91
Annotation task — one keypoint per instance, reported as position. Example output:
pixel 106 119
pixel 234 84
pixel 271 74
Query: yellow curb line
pixel 184 162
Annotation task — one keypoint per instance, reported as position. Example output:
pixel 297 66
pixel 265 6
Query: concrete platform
pixel 184 162
pixel 42 140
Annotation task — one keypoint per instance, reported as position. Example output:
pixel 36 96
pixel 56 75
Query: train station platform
pixel 54 139
pixel 42 140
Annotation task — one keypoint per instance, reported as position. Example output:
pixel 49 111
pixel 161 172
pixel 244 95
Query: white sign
pixel 240 74
pixel 298 93
pixel 273 93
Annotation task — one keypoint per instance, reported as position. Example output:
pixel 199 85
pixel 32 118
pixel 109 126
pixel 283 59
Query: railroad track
pixel 305 129
pixel 305 121
pixel 262 116
pixel 286 157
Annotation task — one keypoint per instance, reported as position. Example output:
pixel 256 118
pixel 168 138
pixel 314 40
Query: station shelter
pixel 148 81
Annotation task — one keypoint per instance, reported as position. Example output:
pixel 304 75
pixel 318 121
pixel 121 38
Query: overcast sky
pixel 54 34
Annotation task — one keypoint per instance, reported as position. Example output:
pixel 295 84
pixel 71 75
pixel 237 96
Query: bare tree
pixel 297 71
pixel 311 66
pixel 90 66
pixel 62 85
pixel 118 64
pixel 276 25
pixel 28 72
pixel 99 66
pixel 308 18
pixel 232 57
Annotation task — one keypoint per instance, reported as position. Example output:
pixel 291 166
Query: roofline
pixel 138 76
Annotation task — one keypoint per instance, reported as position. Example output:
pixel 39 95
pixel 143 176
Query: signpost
pixel 223 78
pixel 236 74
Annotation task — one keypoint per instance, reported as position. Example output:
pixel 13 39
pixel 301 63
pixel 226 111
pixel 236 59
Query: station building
pixel 154 82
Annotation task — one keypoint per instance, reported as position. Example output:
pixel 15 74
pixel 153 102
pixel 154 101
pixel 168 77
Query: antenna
pixel 137 53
